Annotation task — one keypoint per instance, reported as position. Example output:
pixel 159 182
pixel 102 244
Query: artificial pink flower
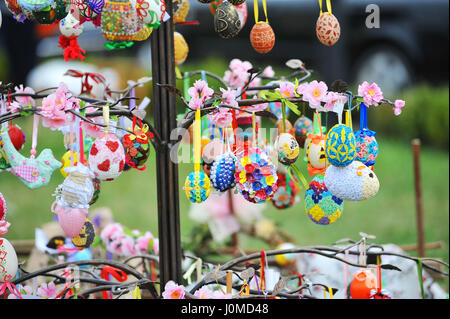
pixel 222 118
pixel 371 93
pixel 398 104
pixel 14 107
pixel 287 89
pixel 302 88
pixel 127 246
pixel 24 290
pixel 49 291
pixel 269 72
pixel 199 94
pixel 111 231
pixel 229 97
pixel 25 101
pixel 143 241
pixel 173 291
pixel 331 98
pixel 238 74
pixel 4 225
pixel 204 293
pixel 315 93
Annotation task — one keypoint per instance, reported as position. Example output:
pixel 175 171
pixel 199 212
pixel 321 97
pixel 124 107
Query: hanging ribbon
pixel 85 86
pixel 420 275
pixel 12 289
pixel 256 10
pixel 330 291
pixel 278 96
pixel 197 140
pixel 363 117
pixel 378 274
pixel 328 2
pixel 262 271
pixel 297 176
pixel 106 117
pixel 229 281
pixel 34 137
pixel 117 274
pixel 81 156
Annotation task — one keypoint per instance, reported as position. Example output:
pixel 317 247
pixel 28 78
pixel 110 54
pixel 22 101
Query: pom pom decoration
pixel 303 126
pixel 322 207
pixel 86 236
pixel 226 20
pixel 340 145
pixel 181 48
pixel 8 261
pixel 362 284
pixel 17 138
pixel 328 29
pixel 366 144
pixel 286 193
pixel 222 172
pixel 354 182
pixel 288 149
pixel 255 175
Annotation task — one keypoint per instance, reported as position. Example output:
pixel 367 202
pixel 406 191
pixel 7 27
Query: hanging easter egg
pixel 180 10
pixel 328 30
pixel 86 236
pixel 302 127
pixel 107 157
pixel 236 2
pixel 340 145
pixel 362 284
pixel 285 260
pixel 262 37
pixel 322 207
pixel 181 48
pixel 275 108
pixel 54 13
pixel 315 151
pixel 197 187
pixel 119 21
pixel 34 5
pixel 286 193
pixel 288 128
pixel 366 147
pixel 8 261
pixel 152 12
pixel 222 172
pixel 69 26
pixel 96 6
pixel 256 176
pixel 96 194
pixel 354 182
pixel 13 7
pixel 143 34
pixel 288 149
pixel 137 148
pixel 66 161
pixel 226 21
pixel 77 189
pixel 242 11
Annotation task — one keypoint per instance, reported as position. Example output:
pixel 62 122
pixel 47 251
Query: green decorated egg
pixel 197 187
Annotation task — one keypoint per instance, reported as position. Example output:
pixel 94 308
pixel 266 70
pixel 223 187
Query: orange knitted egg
pixel 262 37
pixel 327 29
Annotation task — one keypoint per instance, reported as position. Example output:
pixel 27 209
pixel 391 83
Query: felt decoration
pixel 366 144
pixel 8 261
pixel 354 182
pixel 33 172
pixel 340 145
pixel 262 36
pixel 137 146
pixel 302 127
pixel 285 260
pixel 119 21
pixel 181 48
pixel 255 175
pixel 286 193
pixel 322 207
pixel 362 284
pixel 222 172
pixel 3 207
pixel 328 29
pixel 71 220
pixel 226 20
pixel 53 13
pixel 288 149
pixel 86 236
pixel 34 5
pixel 107 155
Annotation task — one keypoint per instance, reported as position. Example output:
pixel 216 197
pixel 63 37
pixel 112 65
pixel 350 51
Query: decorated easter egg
pixel 285 260
pixel 3 207
pixel 340 145
pixel 288 149
pixel 366 147
pixel 86 236
pixel 286 193
pixel 302 127
pixel 96 6
pixel 180 10
pixel 322 207
pixel 181 48
pixel 275 108
pixel 137 148
pixel 222 172
pixel 328 30
pixel 236 2
pixel 354 182
pixel 54 13
pixel 119 21
pixel 242 11
pixel 256 176
pixel 288 128
pixel 66 161
pixel 205 1
pixel 77 189
pixel 107 157
pixel 34 5
pixel 152 12
pixel 8 261
pixel 143 34
pixel 226 21
pixel 315 151
pixel 197 187
pixel 362 284
pixel 262 37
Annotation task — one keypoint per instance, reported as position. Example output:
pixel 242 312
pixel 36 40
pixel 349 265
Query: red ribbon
pixel 12 289
pixel 263 273
pixel 72 50
pixel 85 86
pixel 117 274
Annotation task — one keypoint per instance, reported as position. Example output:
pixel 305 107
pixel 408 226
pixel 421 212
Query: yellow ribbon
pixel 348 119
pixel 136 294
pixel 328 7
pixel 140 133
pixel 197 140
pixel 256 10
pixel 106 117
pixel 330 291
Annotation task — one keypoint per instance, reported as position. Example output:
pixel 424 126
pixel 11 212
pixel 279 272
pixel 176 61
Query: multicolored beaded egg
pixel 366 147
pixel 119 22
pixel 322 207
pixel 197 187
pixel 222 172
pixel 340 145
pixel 288 149
pixel 256 176
pixel 302 127
pixel 137 149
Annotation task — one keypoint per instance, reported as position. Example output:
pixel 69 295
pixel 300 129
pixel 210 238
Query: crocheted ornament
pixel 226 20
pixel 362 284
pixel 302 127
pixel 262 37
pixel 119 21
pixel 34 5
pixel 3 207
pixel 137 149
pixel 197 186
pixel 34 172
pixel 322 207
pixel 340 145
pixel 315 151
pixel 107 157
pixel 181 48
pixel 366 144
pixel 256 176
pixel 288 149
pixel 180 10
pixel 286 193
pixel 354 182
pixel 328 29
pixel 285 260
pixel 8 261
pixel 86 236
pixel 56 12
pixel 222 172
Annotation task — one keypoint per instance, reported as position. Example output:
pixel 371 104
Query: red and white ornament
pixel 328 29
pixel 262 37
pixel 107 157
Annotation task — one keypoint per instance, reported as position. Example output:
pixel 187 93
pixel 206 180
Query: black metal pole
pixel 164 112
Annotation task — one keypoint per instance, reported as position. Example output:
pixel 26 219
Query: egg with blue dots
pixel 354 182
pixel 197 187
pixel 222 172
pixel 340 145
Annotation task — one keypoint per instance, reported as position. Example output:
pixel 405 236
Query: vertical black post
pixel 164 112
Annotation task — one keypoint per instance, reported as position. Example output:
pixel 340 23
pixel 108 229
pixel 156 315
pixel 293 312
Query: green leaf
pixel 150 245
pixel 292 106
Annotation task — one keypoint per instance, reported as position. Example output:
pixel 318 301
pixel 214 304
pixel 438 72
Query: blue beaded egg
pixel 340 145
pixel 197 187
pixel 222 172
